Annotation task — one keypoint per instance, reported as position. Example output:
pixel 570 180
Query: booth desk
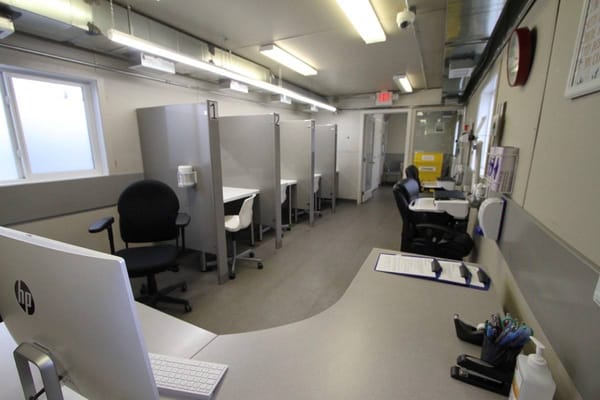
pixel 387 337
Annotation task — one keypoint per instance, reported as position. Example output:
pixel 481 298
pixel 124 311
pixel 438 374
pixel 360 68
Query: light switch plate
pixel 597 292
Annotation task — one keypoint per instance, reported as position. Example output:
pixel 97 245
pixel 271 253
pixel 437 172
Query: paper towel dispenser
pixel 490 216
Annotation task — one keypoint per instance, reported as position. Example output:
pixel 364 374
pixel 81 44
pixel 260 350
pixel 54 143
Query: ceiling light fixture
pixel 149 47
pixel 276 53
pixel 403 83
pixel 362 16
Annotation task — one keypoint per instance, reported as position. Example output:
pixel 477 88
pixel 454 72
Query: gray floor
pixel 307 275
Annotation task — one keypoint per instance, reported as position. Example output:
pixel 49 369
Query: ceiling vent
pixel 460 68
pixel 151 63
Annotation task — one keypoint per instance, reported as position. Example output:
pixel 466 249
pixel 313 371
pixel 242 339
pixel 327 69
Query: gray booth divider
pixel 298 161
pixel 188 134
pixel 250 159
pixel 326 160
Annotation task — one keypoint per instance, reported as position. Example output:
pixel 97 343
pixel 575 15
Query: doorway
pixel 383 149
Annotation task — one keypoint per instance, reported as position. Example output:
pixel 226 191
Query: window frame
pixel 89 90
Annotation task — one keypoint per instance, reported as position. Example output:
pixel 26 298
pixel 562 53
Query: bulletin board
pixel 584 75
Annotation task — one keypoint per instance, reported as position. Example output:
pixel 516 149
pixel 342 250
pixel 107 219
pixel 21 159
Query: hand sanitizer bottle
pixel 532 380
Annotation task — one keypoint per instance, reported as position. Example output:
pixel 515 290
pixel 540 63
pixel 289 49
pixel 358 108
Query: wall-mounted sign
pixel 384 99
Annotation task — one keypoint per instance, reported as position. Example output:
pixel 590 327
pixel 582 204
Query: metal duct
pixel 81 23
pixel 469 24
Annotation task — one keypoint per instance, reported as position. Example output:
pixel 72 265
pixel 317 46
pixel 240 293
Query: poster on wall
pixel 584 75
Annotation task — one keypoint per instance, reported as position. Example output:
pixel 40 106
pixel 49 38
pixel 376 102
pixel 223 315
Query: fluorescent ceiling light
pixel 149 47
pixel 362 16
pixel 283 57
pixel 403 83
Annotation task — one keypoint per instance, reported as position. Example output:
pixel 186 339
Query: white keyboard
pixel 184 378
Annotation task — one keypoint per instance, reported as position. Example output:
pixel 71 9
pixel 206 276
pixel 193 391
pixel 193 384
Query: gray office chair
pixel 149 213
pixel 234 224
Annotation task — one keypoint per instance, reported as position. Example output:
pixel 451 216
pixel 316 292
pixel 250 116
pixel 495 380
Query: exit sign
pixel 384 99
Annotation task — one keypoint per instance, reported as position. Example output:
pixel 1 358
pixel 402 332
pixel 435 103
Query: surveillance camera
pixel 405 18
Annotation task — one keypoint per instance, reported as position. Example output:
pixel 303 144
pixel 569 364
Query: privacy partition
pixel 298 161
pixel 326 161
pixel 250 159
pixel 188 134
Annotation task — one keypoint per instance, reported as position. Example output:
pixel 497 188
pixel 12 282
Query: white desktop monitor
pixel 78 304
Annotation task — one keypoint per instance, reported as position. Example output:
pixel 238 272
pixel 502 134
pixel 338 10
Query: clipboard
pixel 445 271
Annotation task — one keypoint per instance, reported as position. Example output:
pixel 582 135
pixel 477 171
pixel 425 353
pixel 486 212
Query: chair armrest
pixel 101 224
pixel 182 220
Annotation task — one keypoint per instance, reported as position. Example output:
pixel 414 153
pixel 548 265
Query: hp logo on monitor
pixel 24 297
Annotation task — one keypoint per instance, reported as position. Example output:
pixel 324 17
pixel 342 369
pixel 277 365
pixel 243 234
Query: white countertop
pixel 457 208
pixel 288 182
pixel 235 193
pixel 387 337
pixel 163 334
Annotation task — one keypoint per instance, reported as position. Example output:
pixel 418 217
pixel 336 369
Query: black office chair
pixel 428 238
pixel 149 213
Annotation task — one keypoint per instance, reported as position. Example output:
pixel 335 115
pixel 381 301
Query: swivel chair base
pixel 152 296
pixel 242 257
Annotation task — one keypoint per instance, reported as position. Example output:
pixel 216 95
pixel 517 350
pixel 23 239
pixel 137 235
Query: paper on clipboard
pixel 475 277
pixel 399 264
pixel 451 272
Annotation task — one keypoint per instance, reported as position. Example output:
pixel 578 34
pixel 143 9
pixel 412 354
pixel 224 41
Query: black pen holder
pixel 501 357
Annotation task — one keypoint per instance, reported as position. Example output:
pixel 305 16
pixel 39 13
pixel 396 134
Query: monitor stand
pixel 39 356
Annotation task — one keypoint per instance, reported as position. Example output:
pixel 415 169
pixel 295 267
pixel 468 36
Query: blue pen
pixel 525 334
pixel 510 336
pixel 506 329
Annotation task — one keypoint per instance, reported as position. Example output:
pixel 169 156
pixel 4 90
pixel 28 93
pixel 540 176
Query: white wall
pixel 349 141
pixel 556 136
pixel 119 96
pixel 557 178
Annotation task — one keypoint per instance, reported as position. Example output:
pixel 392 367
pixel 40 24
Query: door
pixel 368 157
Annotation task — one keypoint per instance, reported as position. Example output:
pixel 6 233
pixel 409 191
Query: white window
pixel 48 129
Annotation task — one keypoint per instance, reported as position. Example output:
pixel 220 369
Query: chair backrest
pixel 245 213
pixel 147 212
pixel 412 172
pixel 412 188
pixel 402 197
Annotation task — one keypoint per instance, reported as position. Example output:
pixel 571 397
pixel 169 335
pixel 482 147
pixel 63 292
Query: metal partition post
pixel 40 357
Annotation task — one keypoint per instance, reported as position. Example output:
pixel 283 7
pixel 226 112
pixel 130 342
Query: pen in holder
pixel 502 357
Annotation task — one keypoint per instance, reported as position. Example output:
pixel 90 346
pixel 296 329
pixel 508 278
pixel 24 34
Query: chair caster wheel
pixel 187 308
pixel 232 276
pixel 184 287
pixel 260 266
pixel 251 254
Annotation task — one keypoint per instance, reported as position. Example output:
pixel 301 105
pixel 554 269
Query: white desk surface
pixel 288 182
pixel 163 334
pixel 423 204
pixel 387 337
pixel 457 208
pixel 235 193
